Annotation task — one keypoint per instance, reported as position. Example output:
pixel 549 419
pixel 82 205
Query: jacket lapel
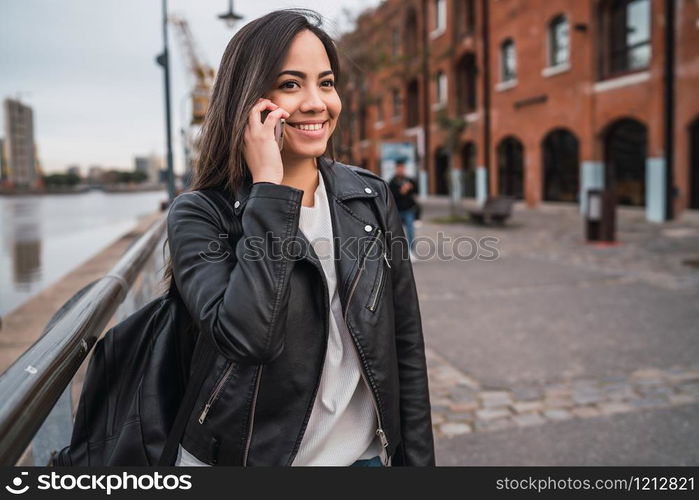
pixel 351 234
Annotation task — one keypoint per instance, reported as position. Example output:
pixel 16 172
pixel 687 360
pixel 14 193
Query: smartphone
pixel 279 132
pixel 278 128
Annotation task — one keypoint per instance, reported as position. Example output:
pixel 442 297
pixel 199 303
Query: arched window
pixel 508 61
pixel 468 166
pixel 441 163
pixel 626 145
pixel 559 41
pixel 561 166
pixel 510 158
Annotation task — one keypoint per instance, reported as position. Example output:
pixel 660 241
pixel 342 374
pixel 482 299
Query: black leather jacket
pixel 266 311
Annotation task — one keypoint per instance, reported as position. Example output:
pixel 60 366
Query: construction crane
pixel 201 94
pixel 203 73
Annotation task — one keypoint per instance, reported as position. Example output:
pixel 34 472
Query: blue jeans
pixel 407 217
pixel 368 462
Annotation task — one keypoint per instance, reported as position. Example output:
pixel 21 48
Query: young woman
pixel 295 269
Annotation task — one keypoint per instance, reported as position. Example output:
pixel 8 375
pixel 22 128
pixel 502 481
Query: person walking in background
pixel 404 190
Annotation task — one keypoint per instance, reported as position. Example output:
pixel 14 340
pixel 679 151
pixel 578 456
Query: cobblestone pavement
pixel 461 404
pixel 602 341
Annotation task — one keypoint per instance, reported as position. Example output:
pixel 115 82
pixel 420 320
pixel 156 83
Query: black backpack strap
pixel 203 358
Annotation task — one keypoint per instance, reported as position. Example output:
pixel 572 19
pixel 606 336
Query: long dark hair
pixel 248 70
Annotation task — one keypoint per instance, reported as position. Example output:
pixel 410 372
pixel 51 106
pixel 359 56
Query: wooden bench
pixel 495 209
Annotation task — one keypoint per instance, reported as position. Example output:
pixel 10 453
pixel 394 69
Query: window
pixel 379 110
pixel 413 104
pixel 441 94
pixel 362 109
pixel 469 19
pixel 397 103
pixel 362 121
pixel 466 84
pixel 410 34
pixel 464 18
pixel 395 42
pixel 626 36
pixel 508 61
pixel 559 41
pixel 440 15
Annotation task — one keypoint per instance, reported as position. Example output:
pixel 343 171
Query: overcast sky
pixel 87 68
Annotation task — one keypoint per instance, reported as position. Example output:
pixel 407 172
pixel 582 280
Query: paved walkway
pixel 555 333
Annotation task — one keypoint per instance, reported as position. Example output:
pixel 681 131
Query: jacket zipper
pixel 252 416
pixel 379 432
pixel 379 288
pixel 215 392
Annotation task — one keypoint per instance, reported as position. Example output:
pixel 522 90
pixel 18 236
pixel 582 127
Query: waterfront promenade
pixel 555 353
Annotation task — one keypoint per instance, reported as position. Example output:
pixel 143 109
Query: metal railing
pixel 38 383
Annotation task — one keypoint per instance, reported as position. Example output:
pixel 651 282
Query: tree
pixel 61 180
pixel 453 127
pixel 139 176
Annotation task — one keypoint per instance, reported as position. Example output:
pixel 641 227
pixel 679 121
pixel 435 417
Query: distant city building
pixel 141 164
pixel 156 163
pixel 20 152
pixel 39 169
pixel 95 174
pixel 542 100
pixel 38 166
pixel 74 169
pixel 3 161
pixel 150 165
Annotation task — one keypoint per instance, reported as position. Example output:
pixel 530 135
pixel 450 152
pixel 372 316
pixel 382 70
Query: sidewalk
pixel 560 352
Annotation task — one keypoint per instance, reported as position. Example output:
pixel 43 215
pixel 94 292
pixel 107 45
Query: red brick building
pixel 537 99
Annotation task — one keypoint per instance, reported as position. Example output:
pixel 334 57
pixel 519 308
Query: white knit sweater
pixel 342 426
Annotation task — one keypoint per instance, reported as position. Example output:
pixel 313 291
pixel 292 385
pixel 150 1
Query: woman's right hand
pixel 260 148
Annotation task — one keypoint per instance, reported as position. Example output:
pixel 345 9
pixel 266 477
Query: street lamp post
pixel 230 17
pixel 164 61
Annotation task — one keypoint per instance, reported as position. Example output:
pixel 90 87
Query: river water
pixel 42 238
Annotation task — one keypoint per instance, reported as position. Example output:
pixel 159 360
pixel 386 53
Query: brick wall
pixel 584 104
